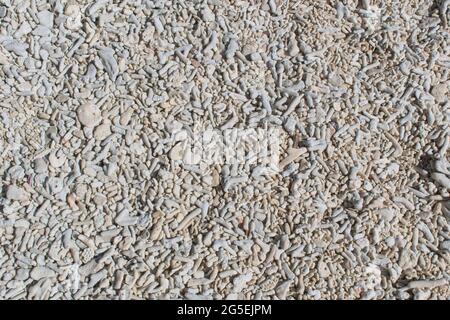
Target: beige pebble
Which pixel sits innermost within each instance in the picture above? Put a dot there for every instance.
(177, 151)
(89, 115)
(126, 117)
(100, 199)
(102, 131)
(440, 92)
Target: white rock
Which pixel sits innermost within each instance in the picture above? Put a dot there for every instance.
(177, 152)
(440, 92)
(45, 18)
(89, 115)
(41, 272)
(102, 131)
(15, 193)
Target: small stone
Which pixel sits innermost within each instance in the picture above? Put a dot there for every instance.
(57, 158)
(323, 270)
(440, 92)
(89, 115)
(22, 274)
(441, 179)
(41, 272)
(16, 193)
(45, 18)
(109, 62)
(215, 181)
(55, 184)
(177, 151)
(283, 289)
(40, 165)
(102, 131)
(3, 11)
(124, 219)
(41, 31)
(100, 199)
(208, 15)
(126, 117)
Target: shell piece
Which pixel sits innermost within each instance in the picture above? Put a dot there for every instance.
(56, 158)
(283, 289)
(177, 152)
(124, 218)
(292, 155)
(109, 62)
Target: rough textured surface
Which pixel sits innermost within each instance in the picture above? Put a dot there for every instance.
(98, 198)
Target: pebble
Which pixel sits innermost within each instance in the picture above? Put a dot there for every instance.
(102, 131)
(440, 92)
(109, 62)
(45, 18)
(3, 11)
(38, 273)
(177, 152)
(89, 115)
(16, 193)
(441, 179)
